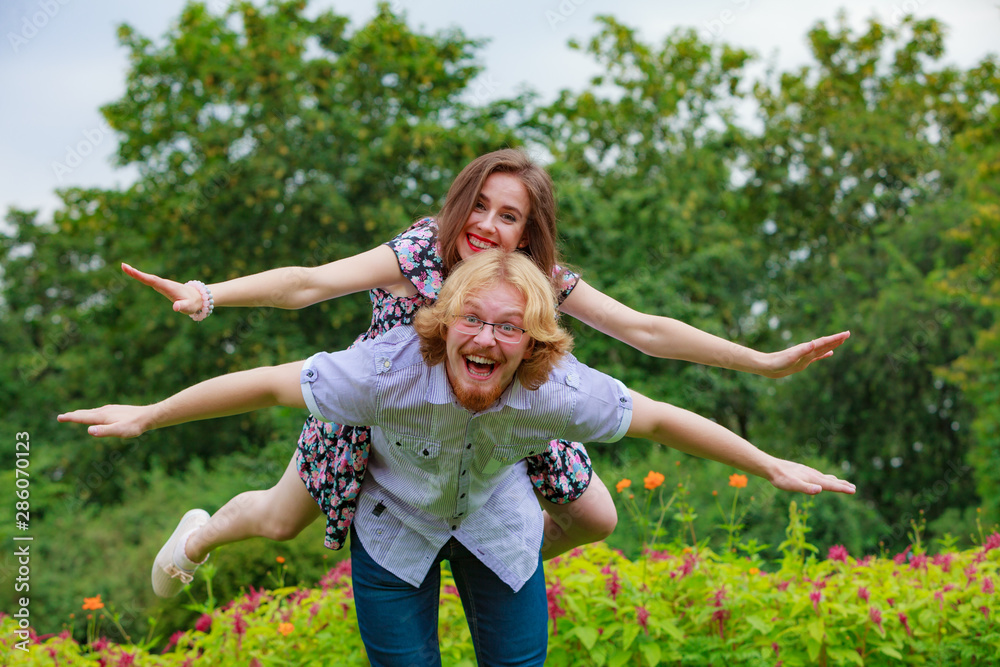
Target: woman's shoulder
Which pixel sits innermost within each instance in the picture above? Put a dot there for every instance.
(419, 258)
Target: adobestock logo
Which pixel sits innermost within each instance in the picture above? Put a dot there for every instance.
(31, 25)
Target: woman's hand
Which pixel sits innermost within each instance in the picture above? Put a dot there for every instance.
(797, 358)
(118, 421)
(186, 298)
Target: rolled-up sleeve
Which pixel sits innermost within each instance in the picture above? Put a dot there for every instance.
(340, 386)
(603, 410)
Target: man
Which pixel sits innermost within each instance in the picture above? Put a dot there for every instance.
(483, 380)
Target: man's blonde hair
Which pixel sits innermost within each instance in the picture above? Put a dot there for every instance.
(485, 270)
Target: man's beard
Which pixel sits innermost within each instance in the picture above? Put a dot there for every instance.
(477, 401)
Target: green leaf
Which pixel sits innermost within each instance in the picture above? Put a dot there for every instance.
(651, 652)
(620, 658)
(629, 633)
(891, 652)
(588, 635)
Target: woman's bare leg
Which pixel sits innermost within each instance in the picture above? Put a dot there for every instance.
(590, 518)
(279, 513)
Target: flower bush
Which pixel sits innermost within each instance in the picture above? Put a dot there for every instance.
(676, 605)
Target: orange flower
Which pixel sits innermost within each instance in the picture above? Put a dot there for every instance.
(285, 628)
(714, 492)
(622, 485)
(739, 481)
(653, 480)
(93, 603)
(280, 559)
(754, 570)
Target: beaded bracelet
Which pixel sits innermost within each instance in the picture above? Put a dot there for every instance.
(207, 301)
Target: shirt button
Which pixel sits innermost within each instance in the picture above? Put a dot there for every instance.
(454, 527)
(461, 496)
(386, 364)
(463, 472)
(469, 446)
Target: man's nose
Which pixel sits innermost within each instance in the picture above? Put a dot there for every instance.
(487, 337)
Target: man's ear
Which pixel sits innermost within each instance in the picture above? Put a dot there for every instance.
(531, 349)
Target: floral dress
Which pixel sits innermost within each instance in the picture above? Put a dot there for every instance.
(332, 458)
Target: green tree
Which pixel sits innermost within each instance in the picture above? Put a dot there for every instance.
(262, 138)
(853, 184)
(977, 282)
(644, 161)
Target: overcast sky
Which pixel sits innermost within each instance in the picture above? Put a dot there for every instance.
(60, 60)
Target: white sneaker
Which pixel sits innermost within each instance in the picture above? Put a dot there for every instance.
(172, 570)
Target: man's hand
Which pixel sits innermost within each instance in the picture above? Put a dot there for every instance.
(797, 358)
(792, 476)
(118, 421)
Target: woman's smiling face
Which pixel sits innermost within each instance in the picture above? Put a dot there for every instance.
(499, 217)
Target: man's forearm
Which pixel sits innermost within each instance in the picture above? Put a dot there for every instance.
(219, 397)
(691, 433)
(233, 394)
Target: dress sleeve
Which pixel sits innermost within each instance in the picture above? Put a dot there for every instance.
(419, 259)
(566, 280)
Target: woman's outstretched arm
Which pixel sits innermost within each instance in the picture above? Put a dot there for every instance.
(290, 287)
(671, 339)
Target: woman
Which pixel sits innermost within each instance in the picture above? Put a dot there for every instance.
(501, 199)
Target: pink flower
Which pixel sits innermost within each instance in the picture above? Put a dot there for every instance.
(863, 593)
(987, 585)
(252, 600)
(174, 638)
(642, 615)
(553, 593)
(239, 625)
(126, 660)
(876, 617)
(837, 552)
(992, 542)
(816, 596)
(204, 624)
(906, 625)
(99, 645)
(899, 559)
(719, 616)
(943, 561)
(613, 586)
(986, 612)
(918, 561)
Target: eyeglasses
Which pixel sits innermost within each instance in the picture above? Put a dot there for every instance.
(505, 332)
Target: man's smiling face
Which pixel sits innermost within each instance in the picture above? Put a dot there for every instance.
(479, 366)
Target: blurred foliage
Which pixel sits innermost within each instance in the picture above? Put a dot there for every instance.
(858, 192)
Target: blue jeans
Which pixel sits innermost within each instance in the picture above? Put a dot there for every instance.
(399, 622)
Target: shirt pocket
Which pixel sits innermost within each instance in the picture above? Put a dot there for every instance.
(417, 451)
(506, 455)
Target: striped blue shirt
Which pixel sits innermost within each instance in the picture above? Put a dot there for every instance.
(439, 471)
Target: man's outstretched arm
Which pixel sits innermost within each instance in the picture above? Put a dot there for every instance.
(688, 432)
(221, 396)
